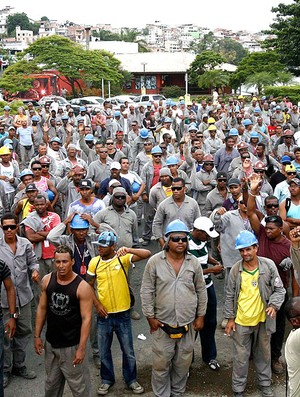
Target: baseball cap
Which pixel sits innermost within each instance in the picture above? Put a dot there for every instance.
(222, 175)
(31, 187)
(114, 182)
(115, 165)
(234, 182)
(85, 183)
(205, 224)
(106, 239)
(295, 180)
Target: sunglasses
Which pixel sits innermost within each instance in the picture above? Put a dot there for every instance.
(199, 136)
(269, 206)
(259, 171)
(176, 239)
(288, 137)
(292, 173)
(11, 227)
(120, 197)
(37, 169)
(174, 188)
(109, 143)
(222, 180)
(103, 152)
(45, 166)
(210, 164)
(156, 155)
(147, 144)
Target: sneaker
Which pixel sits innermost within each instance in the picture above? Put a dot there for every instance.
(224, 323)
(136, 388)
(134, 314)
(96, 361)
(103, 389)
(214, 365)
(6, 379)
(23, 372)
(277, 367)
(266, 391)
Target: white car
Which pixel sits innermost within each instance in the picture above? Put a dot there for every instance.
(50, 98)
(92, 103)
(143, 100)
(118, 100)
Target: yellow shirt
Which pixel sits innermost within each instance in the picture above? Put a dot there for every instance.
(112, 286)
(168, 191)
(251, 309)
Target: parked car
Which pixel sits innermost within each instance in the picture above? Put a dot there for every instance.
(92, 103)
(118, 100)
(50, 98)
(145, 99)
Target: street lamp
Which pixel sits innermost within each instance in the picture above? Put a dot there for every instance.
(143, 86)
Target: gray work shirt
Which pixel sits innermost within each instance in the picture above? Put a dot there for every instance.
(21, 264)
(173, 299)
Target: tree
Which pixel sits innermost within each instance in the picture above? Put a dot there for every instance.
(254, 63)
(231, 50)
(22, 20)
(285, 35)
(213, 78)
(75, 63)
(13, 80)
(206, 60)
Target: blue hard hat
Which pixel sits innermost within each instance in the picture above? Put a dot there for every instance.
(89, 137)
(117, 113)
(82, 109)
(176, 226)
(6, 107)
(149, 104)
(50, 195)
(285, 159)
(55, 139)
(257, 110)
(35, 118)
(106, 239)
(247, 122)
(144, 133)
(233, 132)
(168, 101)
(65, 117)
(156, 150)
(168, 120)
(78, 223)
(192, 127)
(172, 160)
(254, 134)
(25, 172)
(245, 239)
(135, 187)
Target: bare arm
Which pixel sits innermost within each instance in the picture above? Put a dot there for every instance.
(41, 316)
(138, 254)
(85, 297)
(251, 204)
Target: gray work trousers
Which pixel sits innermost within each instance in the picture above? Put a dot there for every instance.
(149, 214)
(15, 348)
(59, 369)
(26, 156)
(245, 340)
(171, 363)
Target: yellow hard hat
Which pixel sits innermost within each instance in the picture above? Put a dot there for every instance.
(211, 120)
(254, 98)
(4, 150)
(212, 128)
(240, 97)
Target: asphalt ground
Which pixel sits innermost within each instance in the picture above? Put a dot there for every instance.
(202, 380)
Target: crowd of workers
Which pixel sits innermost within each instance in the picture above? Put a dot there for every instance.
(216, 184)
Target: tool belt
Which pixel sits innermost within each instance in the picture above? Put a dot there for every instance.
(175, 332)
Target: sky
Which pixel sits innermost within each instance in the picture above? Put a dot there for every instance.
(250, 15)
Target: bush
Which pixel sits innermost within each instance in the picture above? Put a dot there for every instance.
(172, 92)
(293, 92)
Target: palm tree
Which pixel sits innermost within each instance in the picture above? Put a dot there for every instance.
(213, 78)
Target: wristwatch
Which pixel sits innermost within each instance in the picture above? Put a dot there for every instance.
(13, 315)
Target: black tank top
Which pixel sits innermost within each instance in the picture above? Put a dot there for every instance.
(63, 313)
